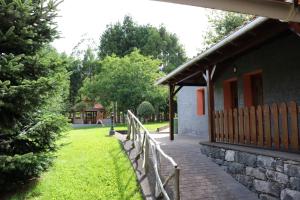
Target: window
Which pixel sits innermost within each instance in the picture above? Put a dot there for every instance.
(230, 91)
(253, 88)
(201, 102)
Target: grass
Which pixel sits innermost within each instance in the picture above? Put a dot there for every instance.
(90, 166)
(152, 126)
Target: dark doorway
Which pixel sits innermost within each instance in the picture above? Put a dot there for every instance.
(230, 94)
(234, 94)
(257, 89)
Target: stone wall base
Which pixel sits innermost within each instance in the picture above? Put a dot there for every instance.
(271, 177)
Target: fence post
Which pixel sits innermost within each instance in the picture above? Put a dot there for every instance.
(146, 155)
(177, 190)
(128, 127)
(133, 133)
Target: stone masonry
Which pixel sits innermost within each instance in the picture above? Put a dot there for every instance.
(272, 178)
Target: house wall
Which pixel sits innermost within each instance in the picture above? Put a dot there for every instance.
(188, 121)
(280, 65)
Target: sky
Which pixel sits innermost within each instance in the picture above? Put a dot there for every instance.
(88, 19)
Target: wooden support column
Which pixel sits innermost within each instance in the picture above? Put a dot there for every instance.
(171, 110)
(211, 104)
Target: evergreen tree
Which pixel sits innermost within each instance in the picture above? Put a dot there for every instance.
(30, 79)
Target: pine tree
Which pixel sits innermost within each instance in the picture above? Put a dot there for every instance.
(28, 81)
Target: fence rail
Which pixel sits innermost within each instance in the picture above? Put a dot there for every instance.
(273, 126)
(146, 144)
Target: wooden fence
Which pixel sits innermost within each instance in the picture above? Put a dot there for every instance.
(146, 145)
(273, 126)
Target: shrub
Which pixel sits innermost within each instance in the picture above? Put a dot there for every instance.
(145, 110)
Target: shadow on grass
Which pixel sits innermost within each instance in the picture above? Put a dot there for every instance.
(119, 170)
(21, 190)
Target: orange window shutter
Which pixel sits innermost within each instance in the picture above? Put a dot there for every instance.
(247, 91)
(200, 102)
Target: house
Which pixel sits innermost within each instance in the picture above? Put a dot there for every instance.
(256, 65)
(88, 114)
(248, 86)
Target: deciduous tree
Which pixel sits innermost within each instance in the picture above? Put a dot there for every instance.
(122, 38)
(126, 80)
(221, 24)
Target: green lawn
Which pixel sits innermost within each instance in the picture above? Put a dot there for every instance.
(152, 127)
(90, 166)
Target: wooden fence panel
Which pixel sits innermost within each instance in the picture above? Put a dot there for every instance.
(267, 126)
(236, 126)
(294, 126)
(246, 125)
(222, 125)
(284, 126)
(241, 126)
(226, 125)
(253, 125)
(275, 118)
(260, 129)
(273, 126)
(230, 126)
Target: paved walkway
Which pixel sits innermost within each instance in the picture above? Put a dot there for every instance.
(201, 178)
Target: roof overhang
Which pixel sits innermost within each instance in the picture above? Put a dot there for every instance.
(249, 36)
(286, 10)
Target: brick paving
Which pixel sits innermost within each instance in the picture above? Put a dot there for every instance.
(200, 178)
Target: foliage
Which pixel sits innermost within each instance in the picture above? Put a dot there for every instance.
(223, 23)
(97, 168)
(127, 81)
(33, 79)
(145, 110)
(81, 69)
(80, 106)
(122, 38)
(57, 102)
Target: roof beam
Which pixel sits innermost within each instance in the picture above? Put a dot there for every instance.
(283, 10)
(188, 77)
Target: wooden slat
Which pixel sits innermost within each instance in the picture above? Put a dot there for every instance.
(230, 126)
(221, 126)
(241, 127)
(236, 126)
(275, 118)
(246, 125)
(294, 126)
(217, 128)
(226, 125)
(253, 134)
(284, 126)
(260, 129)
(267, 126)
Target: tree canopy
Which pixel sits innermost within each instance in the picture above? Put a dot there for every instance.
(126, 80)
(122, 38)
(221, 24)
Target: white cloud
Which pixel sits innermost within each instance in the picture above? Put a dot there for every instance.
(90, 17)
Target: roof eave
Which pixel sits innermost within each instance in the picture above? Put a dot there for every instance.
(218, 45)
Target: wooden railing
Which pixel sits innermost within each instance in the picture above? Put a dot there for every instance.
(275, 126)
(146, 145)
